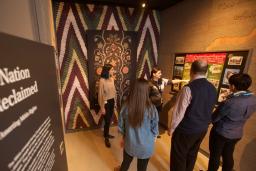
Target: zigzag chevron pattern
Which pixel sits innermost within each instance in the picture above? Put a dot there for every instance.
(71, 22)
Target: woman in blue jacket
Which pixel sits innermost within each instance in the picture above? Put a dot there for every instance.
(138, 123)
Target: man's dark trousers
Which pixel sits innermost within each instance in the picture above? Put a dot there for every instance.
(184, 149)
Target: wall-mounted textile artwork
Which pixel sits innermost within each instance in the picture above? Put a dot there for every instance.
(72, 21)
(117, 48)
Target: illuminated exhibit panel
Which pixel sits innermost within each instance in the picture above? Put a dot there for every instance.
(220, 66)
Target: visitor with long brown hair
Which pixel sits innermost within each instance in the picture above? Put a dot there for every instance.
(138, 123)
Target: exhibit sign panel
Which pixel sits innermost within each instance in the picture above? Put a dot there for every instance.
(31, 134)
(220, 66)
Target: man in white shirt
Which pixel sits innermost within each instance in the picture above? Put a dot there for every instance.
(191, 116)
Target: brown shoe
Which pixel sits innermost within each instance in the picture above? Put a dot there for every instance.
(117, 168)
(109, 136)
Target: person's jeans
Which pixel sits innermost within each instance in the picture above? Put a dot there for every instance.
(109, 107)
(127, 159)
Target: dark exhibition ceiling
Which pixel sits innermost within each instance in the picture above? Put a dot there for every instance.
(151, 4)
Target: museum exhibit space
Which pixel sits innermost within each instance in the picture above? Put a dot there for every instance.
(52, 57)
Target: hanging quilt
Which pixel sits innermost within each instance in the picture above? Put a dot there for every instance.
(117, 48)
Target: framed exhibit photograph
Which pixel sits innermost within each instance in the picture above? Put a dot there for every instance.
(178, 71)
(235, 60)
(214, 74)
(228, 73)
(179, 60)
(224, 92)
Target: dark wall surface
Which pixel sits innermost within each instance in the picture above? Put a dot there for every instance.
(31, 135)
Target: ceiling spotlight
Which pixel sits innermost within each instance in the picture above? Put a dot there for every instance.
(143, 5)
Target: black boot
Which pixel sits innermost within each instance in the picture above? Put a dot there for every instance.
(110, 136)
(107, 143)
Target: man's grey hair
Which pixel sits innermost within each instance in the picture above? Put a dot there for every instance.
(199, 67)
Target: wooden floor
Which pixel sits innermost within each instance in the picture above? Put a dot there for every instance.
(86, 152)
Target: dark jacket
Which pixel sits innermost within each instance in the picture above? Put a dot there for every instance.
(230, 116)
(155, 93)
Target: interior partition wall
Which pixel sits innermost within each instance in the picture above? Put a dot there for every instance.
(72, 21)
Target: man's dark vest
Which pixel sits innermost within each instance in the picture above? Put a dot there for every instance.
(198, 114)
